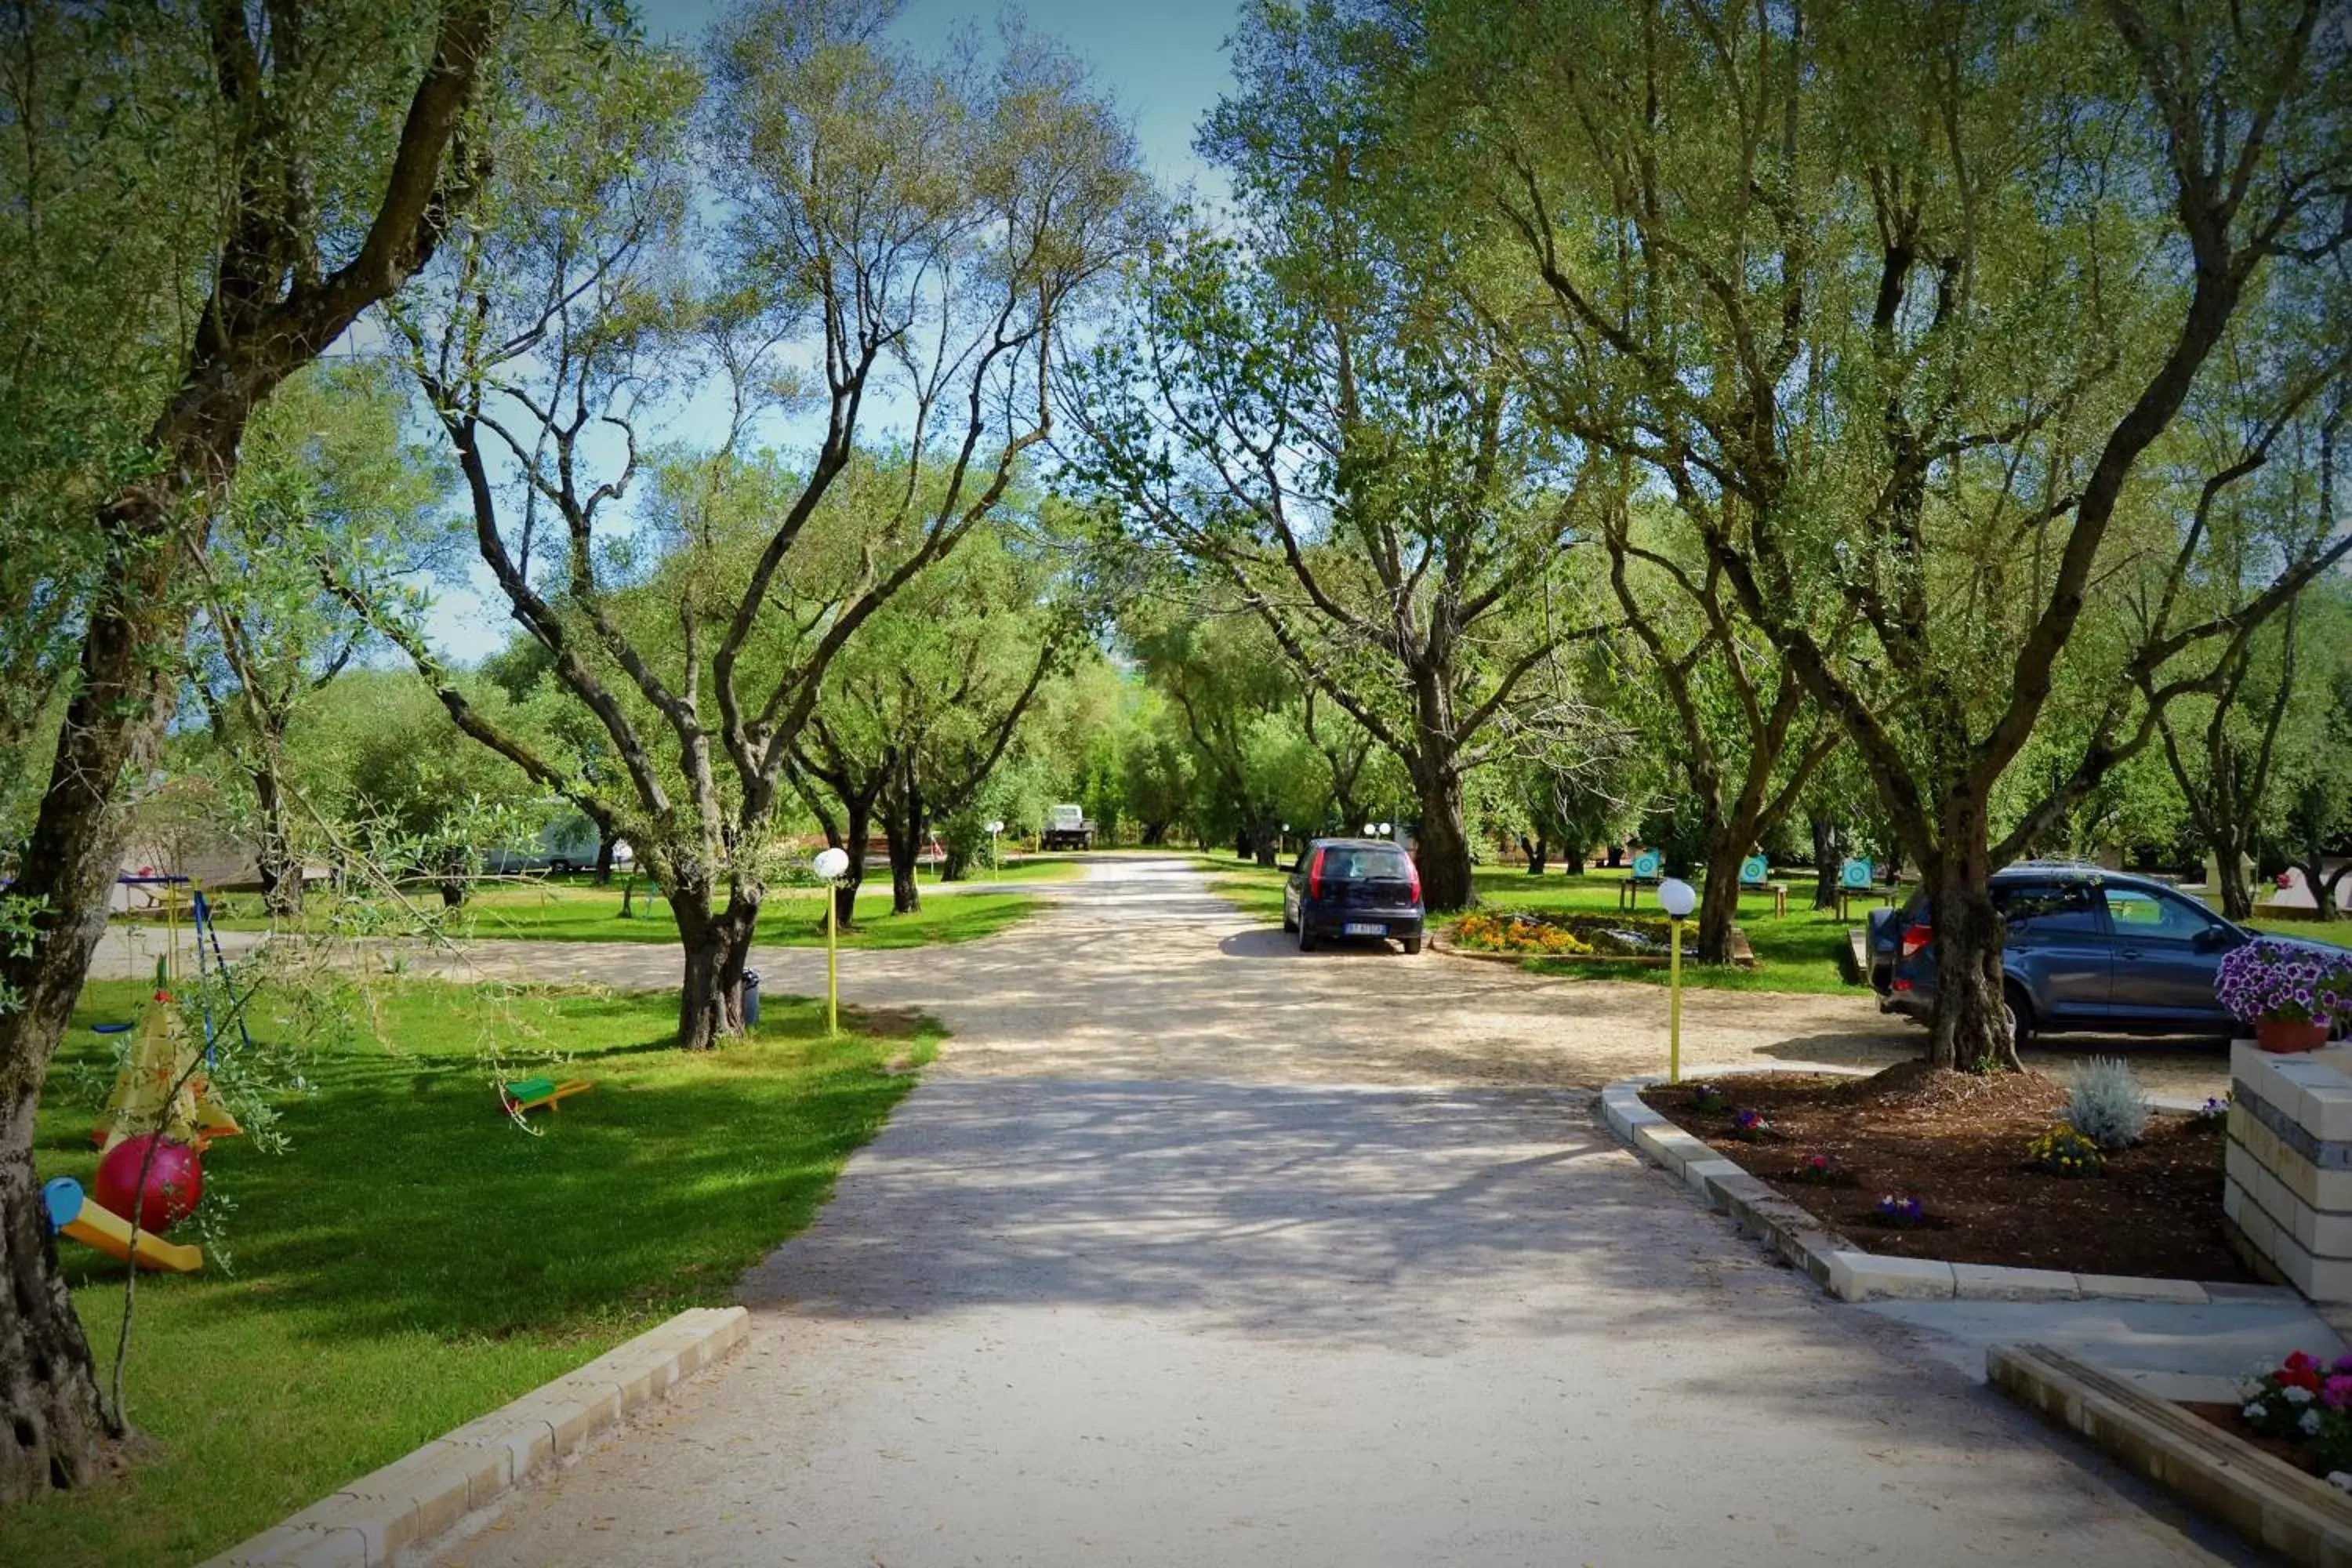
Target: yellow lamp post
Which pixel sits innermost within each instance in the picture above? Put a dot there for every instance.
(830, 865)
(1678, 898)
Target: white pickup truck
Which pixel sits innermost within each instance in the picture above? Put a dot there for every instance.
(1066, 827)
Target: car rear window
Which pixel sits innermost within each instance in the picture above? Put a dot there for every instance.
(1343, 863)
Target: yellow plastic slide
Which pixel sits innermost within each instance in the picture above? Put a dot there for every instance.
(76, 1216)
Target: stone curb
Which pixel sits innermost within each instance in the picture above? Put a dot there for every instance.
(382, 1517)
(2265, 1500)
(1852, 1273)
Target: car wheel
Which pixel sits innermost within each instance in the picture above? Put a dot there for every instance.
(1290, 924)
(1306, 937)
(1411, 945)
(2019, 1010)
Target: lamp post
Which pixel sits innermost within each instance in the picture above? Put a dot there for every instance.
(830, 865)
(1678, 898)
(993, 829)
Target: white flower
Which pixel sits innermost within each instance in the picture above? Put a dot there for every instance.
(2255, 1412)
(2310, 1423)
(2340, 1480)
(2295, 1395)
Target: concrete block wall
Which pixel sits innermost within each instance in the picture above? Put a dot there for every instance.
(2288, 1192)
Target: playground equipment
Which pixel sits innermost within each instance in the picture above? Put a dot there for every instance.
(157, 1178)
(162, 1087)
(159, 1117)
(73, 1214)
(529, 1094)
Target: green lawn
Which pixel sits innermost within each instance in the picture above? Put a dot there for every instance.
(414, 1259)
(582, 911)
(1798, 951)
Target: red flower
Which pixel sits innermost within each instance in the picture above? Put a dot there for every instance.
(2299, 1371)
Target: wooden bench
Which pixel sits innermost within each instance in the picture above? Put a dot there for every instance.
(1755, 877)
(1848, 896)
(1648, 869)
(1629, 891)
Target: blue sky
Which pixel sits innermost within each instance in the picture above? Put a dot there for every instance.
(1164, 64)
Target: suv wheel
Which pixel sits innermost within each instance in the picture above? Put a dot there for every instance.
(1411, 945)
(2019, 1010)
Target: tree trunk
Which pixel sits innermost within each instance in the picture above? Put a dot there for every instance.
(1535, 850)
(902, 830)
(2230, 870)
(1572, 857)
(60, 1435)
(1827, 847)
(1718, 902)
(275, 862)
(1444, 843)
(1155, 834)
(1265, 846)
(605, 839)
(857, 828)
(1970, 1027)
(710, 997)
(452, 879)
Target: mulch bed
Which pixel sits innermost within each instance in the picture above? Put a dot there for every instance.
(1957, 1142)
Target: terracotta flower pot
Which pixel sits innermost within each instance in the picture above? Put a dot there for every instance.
(2285, 1036)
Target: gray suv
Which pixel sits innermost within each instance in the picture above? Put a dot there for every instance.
(2086, 950)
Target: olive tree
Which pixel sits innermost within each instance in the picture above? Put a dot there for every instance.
(901, 233)
(1896, 310)
(286, 167)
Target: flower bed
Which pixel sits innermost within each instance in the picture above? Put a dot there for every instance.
(2300, 1411)
(1567, 935)
(1959, 1145)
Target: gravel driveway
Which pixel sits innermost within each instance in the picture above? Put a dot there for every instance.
(1192, 1250)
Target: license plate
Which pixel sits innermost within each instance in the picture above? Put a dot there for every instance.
(1358, 928)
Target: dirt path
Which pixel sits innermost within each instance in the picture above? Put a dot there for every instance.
(1139, 971)
(1194, 1251)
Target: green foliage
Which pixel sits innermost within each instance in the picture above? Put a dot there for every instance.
(413, 1260)
(2065, 1151)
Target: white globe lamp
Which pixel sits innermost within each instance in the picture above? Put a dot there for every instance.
(1677, 897)
(831, 864)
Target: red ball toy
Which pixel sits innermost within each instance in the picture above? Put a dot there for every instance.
(175, 1181)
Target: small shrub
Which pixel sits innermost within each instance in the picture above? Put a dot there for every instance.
(1709, 1100)
(2215, 1114)
(1750, 1126)
(1904, 1213)
(2107, 1105)
(2064, 1151)
(1820, 1171)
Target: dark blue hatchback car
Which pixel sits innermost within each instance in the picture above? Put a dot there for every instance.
(1354, 887)
(2086, 950)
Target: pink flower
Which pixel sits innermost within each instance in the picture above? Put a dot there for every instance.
(2336, 1393)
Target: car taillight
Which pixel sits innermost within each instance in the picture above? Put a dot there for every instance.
(1315, 875)
(1413, 878)
(1914, 937)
